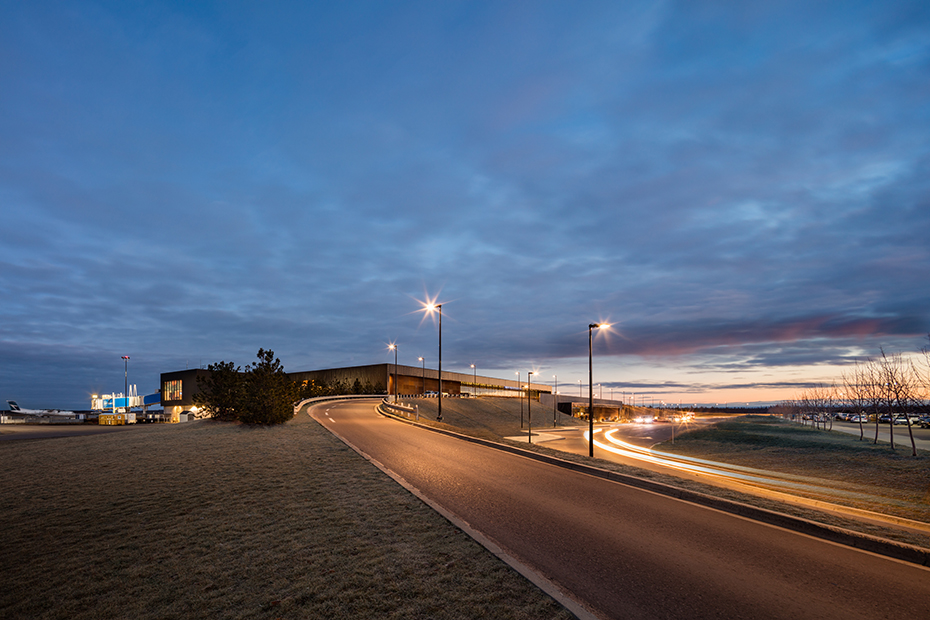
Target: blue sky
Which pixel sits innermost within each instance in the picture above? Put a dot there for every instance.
(742, 189)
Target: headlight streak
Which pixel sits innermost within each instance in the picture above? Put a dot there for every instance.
(719, 470)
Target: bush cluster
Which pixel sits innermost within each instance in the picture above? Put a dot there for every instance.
(260, 394)
(263, 393)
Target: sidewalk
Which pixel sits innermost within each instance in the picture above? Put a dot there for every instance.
(901, 436)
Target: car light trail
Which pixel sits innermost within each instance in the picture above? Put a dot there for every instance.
(723, 471)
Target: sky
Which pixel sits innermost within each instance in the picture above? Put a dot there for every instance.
(741, 189)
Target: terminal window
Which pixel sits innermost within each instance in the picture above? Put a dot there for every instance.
(172, 390)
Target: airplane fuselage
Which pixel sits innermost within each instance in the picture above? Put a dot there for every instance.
(14, 408)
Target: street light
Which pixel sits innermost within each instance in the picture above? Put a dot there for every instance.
(555, 402)
(475, 389)
(529, 414)
(393, 347)
(591, 327)
(430, 307)
(126, 378)
(422, 376)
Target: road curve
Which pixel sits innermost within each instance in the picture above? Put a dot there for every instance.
(627, 553)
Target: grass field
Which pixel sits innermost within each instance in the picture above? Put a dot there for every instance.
(898, 482)
(215, 520)
(489, 418)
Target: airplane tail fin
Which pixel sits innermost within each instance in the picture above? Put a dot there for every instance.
(13, 405)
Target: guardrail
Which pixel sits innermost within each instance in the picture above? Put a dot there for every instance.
(320, 399)
(406, 410)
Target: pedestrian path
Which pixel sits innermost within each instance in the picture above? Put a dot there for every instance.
(900, 435)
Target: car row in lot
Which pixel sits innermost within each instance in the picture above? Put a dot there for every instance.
(900, 419)
(921, 420)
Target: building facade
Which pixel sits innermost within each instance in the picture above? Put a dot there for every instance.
(179, 388)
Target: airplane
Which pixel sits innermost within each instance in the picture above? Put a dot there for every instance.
(14, 408)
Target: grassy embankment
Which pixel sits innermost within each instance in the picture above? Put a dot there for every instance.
(218, 520)
(488, 418)
(215, 520)
(895, 483)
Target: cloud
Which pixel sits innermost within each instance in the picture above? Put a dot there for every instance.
(744, 187)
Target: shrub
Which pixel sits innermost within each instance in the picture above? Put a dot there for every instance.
(262, 394)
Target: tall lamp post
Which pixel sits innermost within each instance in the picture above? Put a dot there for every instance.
(591, 327)
(529, 414)
(422, 376)
(126, 378)
(430, 307)
(475, 389)
(393, 347)
(555, 402)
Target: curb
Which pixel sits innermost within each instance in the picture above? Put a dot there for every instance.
(864, 542)
(537, 579)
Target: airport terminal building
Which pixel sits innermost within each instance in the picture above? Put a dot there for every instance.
(178, 388)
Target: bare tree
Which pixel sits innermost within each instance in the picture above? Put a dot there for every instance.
(858, 391)
(818, 401)
(871, 383)
(922, 372)
(806, 408)
(898, 389)
(787, 409)
(831, 401)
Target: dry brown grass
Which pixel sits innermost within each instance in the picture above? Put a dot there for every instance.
(855, 473)
(222, 521)
(488, 417)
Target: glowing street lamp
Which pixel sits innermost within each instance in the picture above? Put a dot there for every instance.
(393, 347)
(591, 327)
(475, 389)
(555, 401)
(422, 376)
(529, 414)
(433, 307)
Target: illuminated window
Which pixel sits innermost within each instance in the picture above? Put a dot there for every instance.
(172, 390)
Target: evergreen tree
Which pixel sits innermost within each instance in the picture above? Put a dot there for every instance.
(269, 394)
(221, 391)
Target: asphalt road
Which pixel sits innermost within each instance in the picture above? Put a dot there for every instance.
(627, 553)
